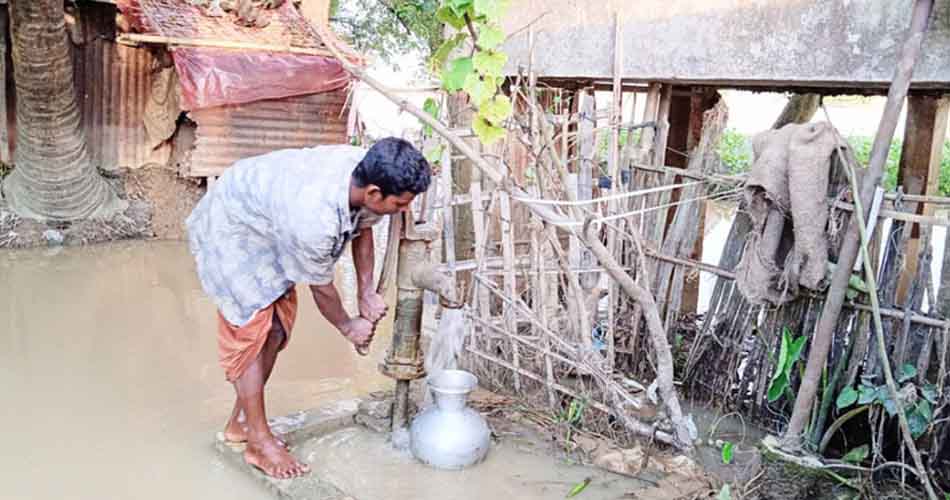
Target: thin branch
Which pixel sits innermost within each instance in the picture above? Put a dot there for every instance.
(392, 10)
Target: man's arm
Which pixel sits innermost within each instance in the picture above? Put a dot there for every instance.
(371, 304)
(358, 330)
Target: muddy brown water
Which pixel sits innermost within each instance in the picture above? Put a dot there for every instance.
(109, 381)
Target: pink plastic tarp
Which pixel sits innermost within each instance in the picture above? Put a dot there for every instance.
(216, 77)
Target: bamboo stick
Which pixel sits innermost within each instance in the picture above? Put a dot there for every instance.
(616, 185)
(448, 215)
(508, 254)
(818, 353)
(139, 38)
(538, 288)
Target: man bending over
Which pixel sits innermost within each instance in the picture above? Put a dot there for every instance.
(282, 219)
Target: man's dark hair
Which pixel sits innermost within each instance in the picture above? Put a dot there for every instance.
(395, 166)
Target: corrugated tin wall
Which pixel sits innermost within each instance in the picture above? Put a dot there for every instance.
(112, 84)
(228, 133)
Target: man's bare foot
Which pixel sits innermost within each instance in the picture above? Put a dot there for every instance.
(273, 459)
(236, 433)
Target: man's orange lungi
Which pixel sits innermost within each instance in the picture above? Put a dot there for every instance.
(239, 346)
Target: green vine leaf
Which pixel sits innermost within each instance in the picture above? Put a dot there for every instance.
(795, 350)
(478, 89)
(442, 54)
(777, 387)
(908, 371)
(460, 8)
(578, 488)
(454, 77)
(728, 449)
(782, 357)
(846, 398)
(431, 107)
(434, 155)
(917, 423)
(491, 9)
(496, 109)
(866, 394)
(725, 493)
(490, 63)
(447, 15)
(490, 37)
(487, 132)
(929, 392)
(924, 409)
(857, 455)
(889, 405)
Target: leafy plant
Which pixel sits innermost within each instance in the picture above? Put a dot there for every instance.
(857, 455)
(846, 398)
(480, 73)
(789, 354)
(735, 151)
(571, 416)
(917, 401)
(433, 153)
(579, 487)
(725, 493)
(727, 452)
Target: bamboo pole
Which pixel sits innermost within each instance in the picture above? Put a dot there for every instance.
(616, 183)
(448, 214)
(139, 38)
(661, 346)
(539, 285)
(821, 343)
(508, 255)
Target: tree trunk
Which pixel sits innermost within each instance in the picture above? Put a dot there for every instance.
(800, 108)
(53, 178)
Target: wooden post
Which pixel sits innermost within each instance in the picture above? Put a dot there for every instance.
(580, 257)
(616, 184)
(508, 257)
(656, 222)
(481, 298)
(448, 215)
(4, 130)
(924, 135)
(539, 287)
(700, 102)
(460, 116)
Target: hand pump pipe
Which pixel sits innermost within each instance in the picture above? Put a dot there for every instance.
(415, 273)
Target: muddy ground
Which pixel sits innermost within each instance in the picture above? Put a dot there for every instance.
(159, 202)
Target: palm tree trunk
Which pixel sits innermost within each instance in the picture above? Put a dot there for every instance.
(53, 178)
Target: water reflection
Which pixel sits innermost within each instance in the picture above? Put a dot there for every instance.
(112, 389)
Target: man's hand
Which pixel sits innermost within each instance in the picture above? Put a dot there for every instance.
(359, 331)
(372, 307)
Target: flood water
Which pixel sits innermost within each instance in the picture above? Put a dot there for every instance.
(109, 377)
(355, 459)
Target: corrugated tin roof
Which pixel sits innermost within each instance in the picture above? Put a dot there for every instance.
(229, 133)
(113, 84)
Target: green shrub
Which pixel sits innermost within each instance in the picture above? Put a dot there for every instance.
(735, 151)
(862, 152)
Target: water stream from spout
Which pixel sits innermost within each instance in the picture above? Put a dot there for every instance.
(446, 345)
